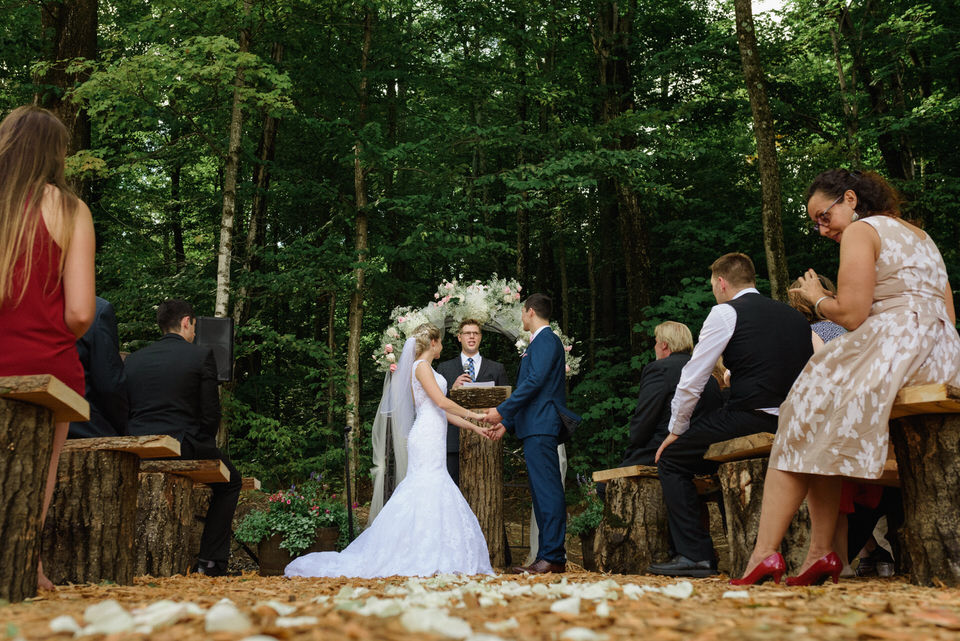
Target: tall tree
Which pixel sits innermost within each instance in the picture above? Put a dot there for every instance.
(765, 135)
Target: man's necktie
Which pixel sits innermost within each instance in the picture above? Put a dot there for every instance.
(470, 370)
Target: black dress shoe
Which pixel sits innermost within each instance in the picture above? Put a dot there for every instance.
(541, 566)
(212, 568)
(682, 566)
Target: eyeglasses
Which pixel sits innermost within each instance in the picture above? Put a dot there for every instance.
(469, 333)
(823, 218)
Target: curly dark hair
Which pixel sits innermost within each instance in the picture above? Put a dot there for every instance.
(874, 194)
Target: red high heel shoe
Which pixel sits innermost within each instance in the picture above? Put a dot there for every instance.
(827, 566)
(772, 566)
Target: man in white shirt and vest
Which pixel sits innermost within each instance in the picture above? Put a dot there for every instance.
(764, 344)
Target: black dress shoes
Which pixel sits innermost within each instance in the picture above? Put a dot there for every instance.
(212, 568)
(540, 567)
(682, 566)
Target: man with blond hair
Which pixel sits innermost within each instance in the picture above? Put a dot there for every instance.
(673, 344)
(764, 344)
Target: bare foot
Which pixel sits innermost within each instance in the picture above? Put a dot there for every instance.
(42, 581)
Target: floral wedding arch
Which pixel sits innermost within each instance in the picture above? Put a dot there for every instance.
(496, 305)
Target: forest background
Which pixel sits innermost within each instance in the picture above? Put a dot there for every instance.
(307, 165)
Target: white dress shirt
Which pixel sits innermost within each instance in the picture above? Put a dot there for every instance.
(476, 363)
(716, 333)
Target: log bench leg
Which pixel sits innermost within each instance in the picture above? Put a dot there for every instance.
(167, 539)
(926, 448)
(633, 533)
(26, 442)
(742, 483)
(89, 533)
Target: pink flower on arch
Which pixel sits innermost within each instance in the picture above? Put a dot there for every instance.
(388, 348)
(437, 295)
(506, 290)
(568, 369)
(567, 348)
(393, 367)
(401, 319)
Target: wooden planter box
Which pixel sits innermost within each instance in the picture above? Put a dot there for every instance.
(273, 558)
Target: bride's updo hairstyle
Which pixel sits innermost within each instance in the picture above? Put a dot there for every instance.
(874, 194)
(423, 335)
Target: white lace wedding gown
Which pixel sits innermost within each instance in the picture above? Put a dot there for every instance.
(425, 528)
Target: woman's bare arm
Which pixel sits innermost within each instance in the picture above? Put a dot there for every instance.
(79, 282)
(948, 299)
(425, 376)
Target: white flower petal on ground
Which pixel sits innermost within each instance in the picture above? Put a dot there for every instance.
(502, 626)
(323, 598)
(225, 617)
(603, 609)
(679, 590)
(484, 637)
(160, 614)
(193, 609)
(567, 606)
(381, 607)
(107, 617)
(259, 637)
(736, 594)
(282, 609)
(582, 634)
(436, 622)
(632, 591)
(296, 622)
(65, 623)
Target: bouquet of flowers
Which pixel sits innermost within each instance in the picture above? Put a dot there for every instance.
(296, 514)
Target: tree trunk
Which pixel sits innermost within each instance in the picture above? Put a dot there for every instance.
(258, 207)
(355, 320)
(633, 533)
(89, 533)
(168, 530)
(176, 222)
(481, 472)
(332, 347)
(592, 333)
(926, 448)
(848, 98)
(771, 208)
(742, 485)
(72, 25)
(228, 213)
(26, 442)
(636, 257)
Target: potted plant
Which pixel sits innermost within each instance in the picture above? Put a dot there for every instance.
(585, 526)
(296, 521)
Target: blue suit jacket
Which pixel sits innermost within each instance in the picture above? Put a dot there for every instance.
(533, 408)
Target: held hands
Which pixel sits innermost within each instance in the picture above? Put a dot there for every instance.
(492, 416)
(666, 442)
(463, 378)
(810, 287)
(496, 432)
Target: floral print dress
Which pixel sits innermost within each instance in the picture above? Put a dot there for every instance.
(835, 419)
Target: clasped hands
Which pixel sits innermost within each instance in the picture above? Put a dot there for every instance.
(496, 430)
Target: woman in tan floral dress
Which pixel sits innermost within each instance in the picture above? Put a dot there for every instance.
(894, 297)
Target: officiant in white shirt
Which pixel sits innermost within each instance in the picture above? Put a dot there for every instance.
(467, 367)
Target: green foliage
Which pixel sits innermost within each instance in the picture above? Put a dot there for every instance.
(588, 519)
(296, 514)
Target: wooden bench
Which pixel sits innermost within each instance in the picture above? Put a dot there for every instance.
(172, 504)
(925, 434)
(633, 533)
(250, 483)
(29, 408)
(90, 532)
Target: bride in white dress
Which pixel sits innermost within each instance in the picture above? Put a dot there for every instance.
(426, 527)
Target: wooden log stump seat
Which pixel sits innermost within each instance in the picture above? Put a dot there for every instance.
(90, 529)
(634, 533)
(168, 511)
(926, 438)
(29, 408)
(249, 483)
(481, 470)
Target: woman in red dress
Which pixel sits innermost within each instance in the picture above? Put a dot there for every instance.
(46, 262)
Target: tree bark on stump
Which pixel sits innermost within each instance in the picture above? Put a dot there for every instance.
(926, 448)
(89, 533)
(26, 441)
(742, 483)
(481, 471)
(633, 533)
(167, 539)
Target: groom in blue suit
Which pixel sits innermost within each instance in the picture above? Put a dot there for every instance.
(532, 413)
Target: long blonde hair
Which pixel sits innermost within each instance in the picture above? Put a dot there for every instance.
(33, 146)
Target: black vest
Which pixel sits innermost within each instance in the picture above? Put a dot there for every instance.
(769, 347)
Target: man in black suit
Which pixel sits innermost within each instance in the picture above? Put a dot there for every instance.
(106, 382)
(658, 381)
(469, 366)
(173, 390)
